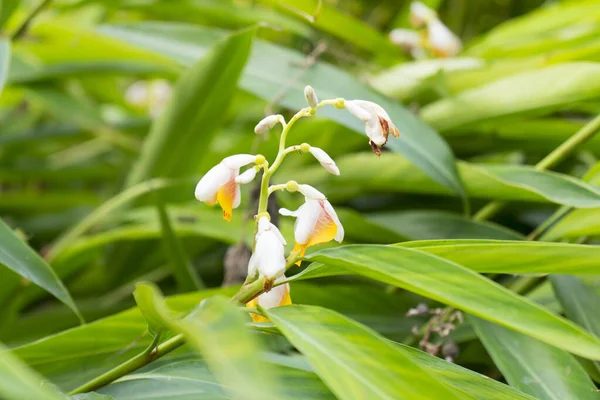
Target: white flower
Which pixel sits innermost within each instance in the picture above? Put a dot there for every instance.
(268, 257)
(378, 123)
(420, 14)
(247, 176)
(443, 42)
(267, 123)
(326, 161)
(278, 296)
(311, 96)
(316, 220)
(151, 95)
(219, 184)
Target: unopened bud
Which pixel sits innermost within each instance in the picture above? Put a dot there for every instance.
(260, 159)
(267, 123)
(305, 147)
(291, 186)
(247, 176)
(326, 161)
(311, 96)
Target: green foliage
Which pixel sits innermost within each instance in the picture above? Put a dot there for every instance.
(111, 112)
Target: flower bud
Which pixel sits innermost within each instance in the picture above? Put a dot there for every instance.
(267, 123)
(247, 176)
(291, 186)
(311, 96)
(326, 161)
(260, 159)
(305, 147)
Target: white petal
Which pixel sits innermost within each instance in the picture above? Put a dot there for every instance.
(374, 132)
(311, 96)
(275, 230)
(442, 39)
(266, 227)
(252, 265)
(373, 107)
(339, 235)
(354, 107)
(269, 253)
(206, 189)
(288, 213)
(406, 38)
(311, 192)
(238, 161)
(308, 215)
(238, 197)
(326, 161)
(247, 176)
(263, 224)
(274, 297)
(267, 123)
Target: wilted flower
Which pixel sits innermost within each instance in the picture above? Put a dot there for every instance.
(220, 184)
(268, 258)
(278, 296)
(316, 220)
(378, 123)
(326, 161)
(267, 123)
(311, 96)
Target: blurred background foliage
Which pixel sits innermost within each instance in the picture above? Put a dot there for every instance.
(112, 110)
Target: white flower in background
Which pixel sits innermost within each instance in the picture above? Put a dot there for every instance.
(311, 96)
(316, 220)
(150, 95)
(278, 296)
(323, 158)
(268, 258)
(442, 41)
(268, 122)
(220, 184)
(409, 40)
(378, 123)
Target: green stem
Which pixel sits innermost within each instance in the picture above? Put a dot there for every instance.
(551, 160)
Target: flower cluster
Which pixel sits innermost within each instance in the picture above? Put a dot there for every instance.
(316, 220)
(431, 36)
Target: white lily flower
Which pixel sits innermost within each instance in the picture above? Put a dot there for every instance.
(378, 123)
(276, 297)
(268, 257)
(219, 184)
(326, 161)
(420, 14)
(311, 96)
(316, 220)
(443, 42)
(267, 123)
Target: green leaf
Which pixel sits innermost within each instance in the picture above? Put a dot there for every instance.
(16, 255)
(217, 330)
(191, 378)
(534, 367)
(273, 70)
(75, 356)
(7, 7)
(514, 257)
(447, 282)
(539, 91)
(579, 301)
(433, 224)
(357, 363)
(183, 271)
(198, 105)
(4, 59)
(17, 382)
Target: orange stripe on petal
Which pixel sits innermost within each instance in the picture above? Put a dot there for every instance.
(301, 250)
(225, 197)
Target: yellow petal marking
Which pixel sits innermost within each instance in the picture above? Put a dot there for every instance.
(285, 301)
(225, 197)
